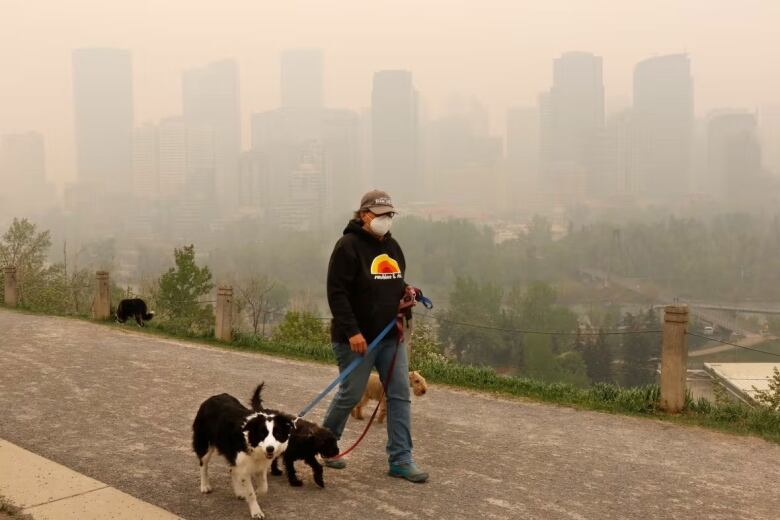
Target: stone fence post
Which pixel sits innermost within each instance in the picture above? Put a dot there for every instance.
(101, 308)
(674, 358)
(223, 329)
(11, 293)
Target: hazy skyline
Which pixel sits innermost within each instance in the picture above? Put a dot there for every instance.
(501, 52)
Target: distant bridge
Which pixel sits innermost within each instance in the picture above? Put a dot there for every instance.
(722, 314)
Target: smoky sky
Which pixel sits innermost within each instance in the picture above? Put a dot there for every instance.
(498, 51)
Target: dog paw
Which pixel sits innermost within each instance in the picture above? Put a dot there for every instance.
(319, 482)
(256, 512)
(296, 483)
(205, 488)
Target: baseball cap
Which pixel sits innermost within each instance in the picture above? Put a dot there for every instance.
(378, 202)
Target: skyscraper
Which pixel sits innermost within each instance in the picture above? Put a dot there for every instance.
(733, 152)
(395, 136)
(210, 97)
(523, 148)
(301, 79)
(23, 175)
(103, 99)
(769, 126)
(172, 157)
(341, 159)
(663, 125)
(573, 124)
(146, 179)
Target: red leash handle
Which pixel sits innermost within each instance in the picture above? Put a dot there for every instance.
(373, 415)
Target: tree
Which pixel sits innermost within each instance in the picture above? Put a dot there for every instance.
(182, 287)
(641, 351)
(302, 327)
(25, 248)
(472, 302)
(597, 355)
(262, 299)
(423, 346)
(771, 396)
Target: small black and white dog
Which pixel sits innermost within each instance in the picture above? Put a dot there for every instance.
(133, 308)
(307, 441)
(248, 440)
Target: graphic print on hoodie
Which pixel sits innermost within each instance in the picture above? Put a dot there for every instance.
(365, 283)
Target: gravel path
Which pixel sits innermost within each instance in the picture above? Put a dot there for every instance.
(117, 406)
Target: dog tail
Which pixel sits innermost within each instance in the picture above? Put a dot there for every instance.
(149, 315)
(257, 401)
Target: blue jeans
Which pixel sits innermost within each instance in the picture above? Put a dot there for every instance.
(399, 422)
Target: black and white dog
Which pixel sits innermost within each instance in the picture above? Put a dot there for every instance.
(133, 308)
(306, 442)
(249, 441)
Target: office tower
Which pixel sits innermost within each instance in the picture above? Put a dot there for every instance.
(617, 154)
(210, 97)
(172, 157)
(663, 125)
(342, 160)
(103, 102)
(301, 79)
(573, 123)
(24, 191)
(769, 128)
(462, 159)
(523, 148)
(734, 153)
(306, 207)
(395, 136)
(146, 180)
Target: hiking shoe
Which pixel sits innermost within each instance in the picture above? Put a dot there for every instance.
(408, 471)
(334, 463)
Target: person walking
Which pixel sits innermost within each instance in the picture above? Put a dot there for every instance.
(365, 285)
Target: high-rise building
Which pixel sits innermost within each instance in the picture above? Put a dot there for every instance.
(280, 137)
(523, 148)
(103, 99)
(23, 175)
(663, 125)
(462, 159)
(573, 122)
(734, 153)
(172, 157)
(301, 79)
(210, 97)
(769, 128)
(395, 135)
(617, 154)
(342, 159)
(146, 179)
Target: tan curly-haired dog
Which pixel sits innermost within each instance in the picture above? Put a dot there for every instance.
(374, 393)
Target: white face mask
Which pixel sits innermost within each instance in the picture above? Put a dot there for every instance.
(381, 225)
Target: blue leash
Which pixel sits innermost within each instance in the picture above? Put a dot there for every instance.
(355, 362)
(352, 366)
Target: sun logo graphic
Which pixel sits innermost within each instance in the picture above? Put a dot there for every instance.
(385, 268)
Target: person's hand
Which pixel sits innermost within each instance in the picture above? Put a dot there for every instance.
(358, 344)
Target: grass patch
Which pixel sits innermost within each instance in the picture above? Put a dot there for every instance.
(636, 401)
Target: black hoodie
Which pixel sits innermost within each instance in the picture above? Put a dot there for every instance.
(365, 283)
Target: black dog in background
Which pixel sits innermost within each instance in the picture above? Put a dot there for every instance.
(306, 442)
(133, 308)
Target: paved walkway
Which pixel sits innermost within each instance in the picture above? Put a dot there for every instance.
(45, 490)
(117, 406)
